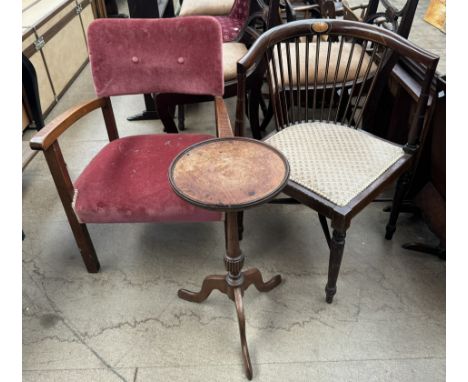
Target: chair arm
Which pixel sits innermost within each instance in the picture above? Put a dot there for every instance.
(45, 137)
(223, 123)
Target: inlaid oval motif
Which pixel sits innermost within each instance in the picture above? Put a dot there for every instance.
(320, 27)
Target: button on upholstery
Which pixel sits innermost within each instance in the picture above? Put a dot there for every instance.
(135, 59)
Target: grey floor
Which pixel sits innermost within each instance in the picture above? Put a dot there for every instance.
(387, 322)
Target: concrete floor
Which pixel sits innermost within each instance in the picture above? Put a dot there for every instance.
(387, 322)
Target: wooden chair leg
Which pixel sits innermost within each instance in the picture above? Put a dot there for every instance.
(166, 113)
(181, 117)
(85, 245)
(254, 105)
(400, 192)
(64, 185)
(325, 229)
(267, 117)
(336, 254)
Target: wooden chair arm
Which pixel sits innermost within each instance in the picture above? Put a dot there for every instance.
(44, 138)
(223, 123)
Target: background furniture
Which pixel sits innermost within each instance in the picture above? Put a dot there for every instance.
(221, 175)
(126, 182)
(206, 7)
(435, 14)
(428, 191)
(378, 12)
(53, 30)
(148, 9)
(261, 18)
(320, 99)
(32, 104)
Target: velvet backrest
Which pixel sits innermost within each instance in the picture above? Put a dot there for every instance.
(176, 55)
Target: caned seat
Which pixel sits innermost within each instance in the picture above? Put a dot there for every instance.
(127, 182)
(346, 62)
(232, 53)
(334, 161)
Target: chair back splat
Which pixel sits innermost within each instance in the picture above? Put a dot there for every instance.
(135, 56)
(327, 71)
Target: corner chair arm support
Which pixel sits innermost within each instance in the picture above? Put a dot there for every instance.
(44, 138)
(223, 123)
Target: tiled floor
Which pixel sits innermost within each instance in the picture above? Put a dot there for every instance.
(387, 322)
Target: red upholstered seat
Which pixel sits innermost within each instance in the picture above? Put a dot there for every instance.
(127, 181)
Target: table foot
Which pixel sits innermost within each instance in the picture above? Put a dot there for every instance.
(209, 284)
(145, 115)
(254, 276)
(241, 319)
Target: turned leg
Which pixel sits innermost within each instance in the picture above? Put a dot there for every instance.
(401, 189)
(336, 254)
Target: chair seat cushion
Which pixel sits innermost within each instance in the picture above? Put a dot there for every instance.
(357, 68)
(206, 7)
(334, 161)
(230, 26)
(232, 53)
(127, 181)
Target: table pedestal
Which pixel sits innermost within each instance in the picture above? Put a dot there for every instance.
(234, 283)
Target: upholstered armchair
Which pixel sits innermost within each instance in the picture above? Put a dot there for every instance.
(127, 181)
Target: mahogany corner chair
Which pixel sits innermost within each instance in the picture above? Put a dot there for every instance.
(127, 181)
(261, 17)
(337, 169)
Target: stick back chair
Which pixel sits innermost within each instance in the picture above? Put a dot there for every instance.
(127, 181)
(336, 168)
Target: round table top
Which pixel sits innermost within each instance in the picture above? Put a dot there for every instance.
(229, 173)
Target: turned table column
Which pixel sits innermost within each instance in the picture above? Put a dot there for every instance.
(230, 174)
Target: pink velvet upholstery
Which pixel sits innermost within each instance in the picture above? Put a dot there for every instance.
(234, 22)
(128, 181)
(175, 55)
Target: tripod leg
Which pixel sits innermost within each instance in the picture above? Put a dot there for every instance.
(241, 318)
(209, 284)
